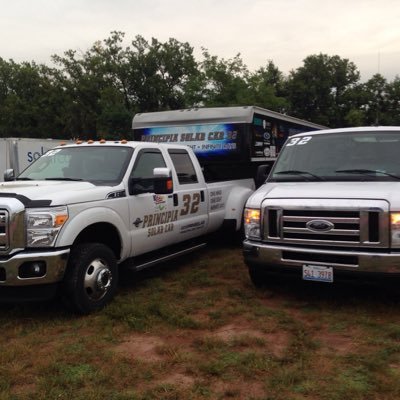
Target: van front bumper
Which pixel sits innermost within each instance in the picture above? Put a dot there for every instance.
(264, 255)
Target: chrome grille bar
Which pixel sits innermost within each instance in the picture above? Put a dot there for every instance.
(361, 223)
(3, 229)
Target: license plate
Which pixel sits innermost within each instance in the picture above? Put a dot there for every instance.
(317, 273)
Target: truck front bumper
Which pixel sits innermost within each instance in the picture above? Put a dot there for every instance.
(265, 255)
(33, 268)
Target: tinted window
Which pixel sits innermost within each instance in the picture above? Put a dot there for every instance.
(144, 166)
(183, 166)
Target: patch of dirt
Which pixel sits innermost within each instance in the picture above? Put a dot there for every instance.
(198, 292)
(23, 389)
(144, 347)
(240, 391)
(276, 342)
(336, 342)
(234, 330)
(177, 379)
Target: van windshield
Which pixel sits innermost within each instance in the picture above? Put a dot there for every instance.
(96, 164)
(355, 156)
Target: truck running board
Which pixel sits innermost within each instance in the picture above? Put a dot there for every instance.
(137, 265)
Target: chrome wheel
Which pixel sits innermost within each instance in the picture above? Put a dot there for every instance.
(98, 279)
(91, 279)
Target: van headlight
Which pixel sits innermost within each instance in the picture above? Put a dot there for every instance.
(252, 223)
(43, 225)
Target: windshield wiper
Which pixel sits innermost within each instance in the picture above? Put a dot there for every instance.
(366, 172)
(298, 172)
(24, 179)
(62, 179)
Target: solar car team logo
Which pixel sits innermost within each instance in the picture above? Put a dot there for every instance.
(159, 202)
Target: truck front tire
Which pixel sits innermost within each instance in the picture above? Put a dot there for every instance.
(91, 279)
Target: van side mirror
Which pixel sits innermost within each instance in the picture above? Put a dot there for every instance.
(163, 183)
(262, 174)
(9, 175)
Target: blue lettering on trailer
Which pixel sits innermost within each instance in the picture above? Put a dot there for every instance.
(34, 155)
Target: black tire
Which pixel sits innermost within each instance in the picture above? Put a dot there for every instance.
(257, 276)
(91, 279)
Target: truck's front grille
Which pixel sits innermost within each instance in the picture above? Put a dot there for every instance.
(3, 230)
(354, 224)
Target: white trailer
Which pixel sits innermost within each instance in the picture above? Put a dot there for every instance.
(18, 153)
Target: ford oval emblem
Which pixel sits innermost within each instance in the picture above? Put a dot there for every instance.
(320, 225)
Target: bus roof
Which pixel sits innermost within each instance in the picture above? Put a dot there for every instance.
(243, 114)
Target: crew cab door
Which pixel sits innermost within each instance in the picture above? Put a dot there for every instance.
(190, 194)
(152, 216)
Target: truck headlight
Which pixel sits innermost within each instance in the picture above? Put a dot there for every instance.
(252, 223)
(43, 225)
(395, 228)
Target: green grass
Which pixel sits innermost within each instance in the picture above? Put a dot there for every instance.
(197, 329)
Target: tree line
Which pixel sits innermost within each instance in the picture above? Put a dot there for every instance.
(96, 93)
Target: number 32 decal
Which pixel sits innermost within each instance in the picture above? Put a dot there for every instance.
(190, 203)
(299, 141)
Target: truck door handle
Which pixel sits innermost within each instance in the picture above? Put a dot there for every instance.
(202, 195)
(175, 197)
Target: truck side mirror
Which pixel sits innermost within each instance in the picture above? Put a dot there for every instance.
(9, 175)
(160, 183)
(262, 174)
(163, 183)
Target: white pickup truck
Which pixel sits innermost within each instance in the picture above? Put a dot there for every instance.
(331, 205)
(82, 210)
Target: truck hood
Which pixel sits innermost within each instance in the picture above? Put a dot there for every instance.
(388, 191)
(57, 192)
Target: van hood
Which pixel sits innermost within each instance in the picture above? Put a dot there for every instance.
(388, 191)
(56, 193)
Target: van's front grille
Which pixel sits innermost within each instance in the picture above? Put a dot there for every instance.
(345, 225)
(356, 224)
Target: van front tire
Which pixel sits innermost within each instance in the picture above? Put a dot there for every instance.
(257, 276)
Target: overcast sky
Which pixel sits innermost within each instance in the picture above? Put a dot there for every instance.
(366, 32)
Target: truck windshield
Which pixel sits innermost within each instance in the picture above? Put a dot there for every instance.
(355, 156)
(96, 164)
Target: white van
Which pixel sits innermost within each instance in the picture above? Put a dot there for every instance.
(331, 204)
